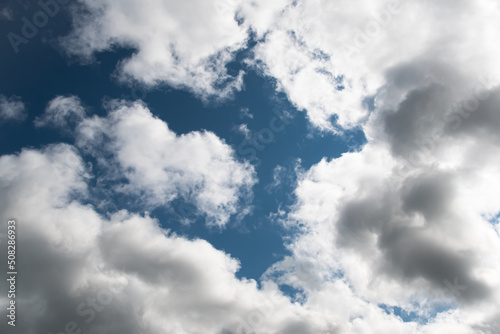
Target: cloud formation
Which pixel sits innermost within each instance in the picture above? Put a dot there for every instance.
(159, 166)
(409, 222)
(330, 58)
(12, 109)
(185, 45)
(406, 221)
(122, 273)
(62, 112)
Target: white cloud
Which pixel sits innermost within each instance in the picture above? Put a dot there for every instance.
(62, 112)
(245, 112)
(244, 130)
(161, 166)
(282, 176)
(183, 44)
(12, 109)
(311, 82)
(314, 47)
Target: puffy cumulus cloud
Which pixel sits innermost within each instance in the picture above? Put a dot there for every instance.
(410, 220)
(158, 165)
(420, 240)
(332, 57)
(12, 109)
(82, 272)
(186, 45)
(62, 112)
(310, 80)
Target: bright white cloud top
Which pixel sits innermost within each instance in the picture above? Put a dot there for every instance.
(409, 222)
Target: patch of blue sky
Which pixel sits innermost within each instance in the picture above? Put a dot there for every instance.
(495, 220)
(422, 316)
(492, 218)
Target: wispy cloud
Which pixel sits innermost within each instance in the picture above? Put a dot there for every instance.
(12, 109)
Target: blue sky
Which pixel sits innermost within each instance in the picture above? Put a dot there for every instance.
(234, 167)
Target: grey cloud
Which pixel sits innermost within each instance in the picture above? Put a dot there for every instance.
(416, 118)
(491, 326)
(299, 327)
(411, 254)
(387, 222)
(361, 218)
(429, 194)
(477, 116)
(438, 106)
